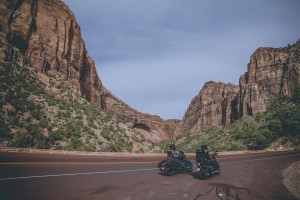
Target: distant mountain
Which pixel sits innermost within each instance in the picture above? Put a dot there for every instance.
(271, 72)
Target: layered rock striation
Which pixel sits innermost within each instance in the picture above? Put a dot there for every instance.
(271, 72)
(216, 104)
(44, 34)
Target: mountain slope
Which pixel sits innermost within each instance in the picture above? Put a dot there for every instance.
(46, 36)
(39, 110)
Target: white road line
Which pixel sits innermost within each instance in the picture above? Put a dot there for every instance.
(136, 170)
(87, 173)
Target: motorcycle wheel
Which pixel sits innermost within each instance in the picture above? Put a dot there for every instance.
(204, 174)
(189, 167)
(168, 171)
(160, 164)
(217, 169)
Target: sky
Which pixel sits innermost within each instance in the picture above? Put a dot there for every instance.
(156, 55)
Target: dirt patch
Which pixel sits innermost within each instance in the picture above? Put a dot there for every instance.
(291, 179)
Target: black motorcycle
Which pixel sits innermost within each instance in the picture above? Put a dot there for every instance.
(207, 168)
(177, 165)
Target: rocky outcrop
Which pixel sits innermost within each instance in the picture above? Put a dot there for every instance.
(216, 104)
(45, 35)
(151, 126)
(271, 72)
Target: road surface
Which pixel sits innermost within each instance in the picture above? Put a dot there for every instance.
(54, 177)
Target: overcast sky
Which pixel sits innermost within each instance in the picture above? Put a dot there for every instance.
(156, 55)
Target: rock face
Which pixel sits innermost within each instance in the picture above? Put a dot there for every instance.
(216, 104)
(44, 34)
(271, 72)
(152, 127)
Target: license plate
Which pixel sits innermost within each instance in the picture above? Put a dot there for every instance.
(198, 169)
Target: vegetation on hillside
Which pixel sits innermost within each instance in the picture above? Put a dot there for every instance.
(38, 115)
(282, 120)
(33, 114)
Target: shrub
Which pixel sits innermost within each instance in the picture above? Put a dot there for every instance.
(4, 130)
(55, 136)
(37, 114)
(44, 123)
(52, 103)
(75, 144)
(22, 140)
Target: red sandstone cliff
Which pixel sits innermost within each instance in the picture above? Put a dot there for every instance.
(151, 126)
(44, 34)
(271, 72)
(214, 105)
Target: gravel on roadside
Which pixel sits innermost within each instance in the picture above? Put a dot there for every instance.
(291, 179)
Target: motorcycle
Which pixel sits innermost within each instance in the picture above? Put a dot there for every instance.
(177, 165)
(206, 168)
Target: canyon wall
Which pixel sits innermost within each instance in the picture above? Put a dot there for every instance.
(216, 104)
(271, 72)
(151, 126)
(44, 34)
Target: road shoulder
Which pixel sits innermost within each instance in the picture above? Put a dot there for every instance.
(291, 179)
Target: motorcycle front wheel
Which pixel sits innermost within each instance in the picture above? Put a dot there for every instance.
(161, 164)
(168, 171)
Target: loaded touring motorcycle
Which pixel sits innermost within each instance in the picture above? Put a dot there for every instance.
(173, 165)
(207, 168)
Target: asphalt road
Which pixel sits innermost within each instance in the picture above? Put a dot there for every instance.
(54, 177)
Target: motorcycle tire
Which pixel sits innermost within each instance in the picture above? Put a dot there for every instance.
(159, 165)
(168, 171)
(217, 169)
(204, 172)
(190, 167)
